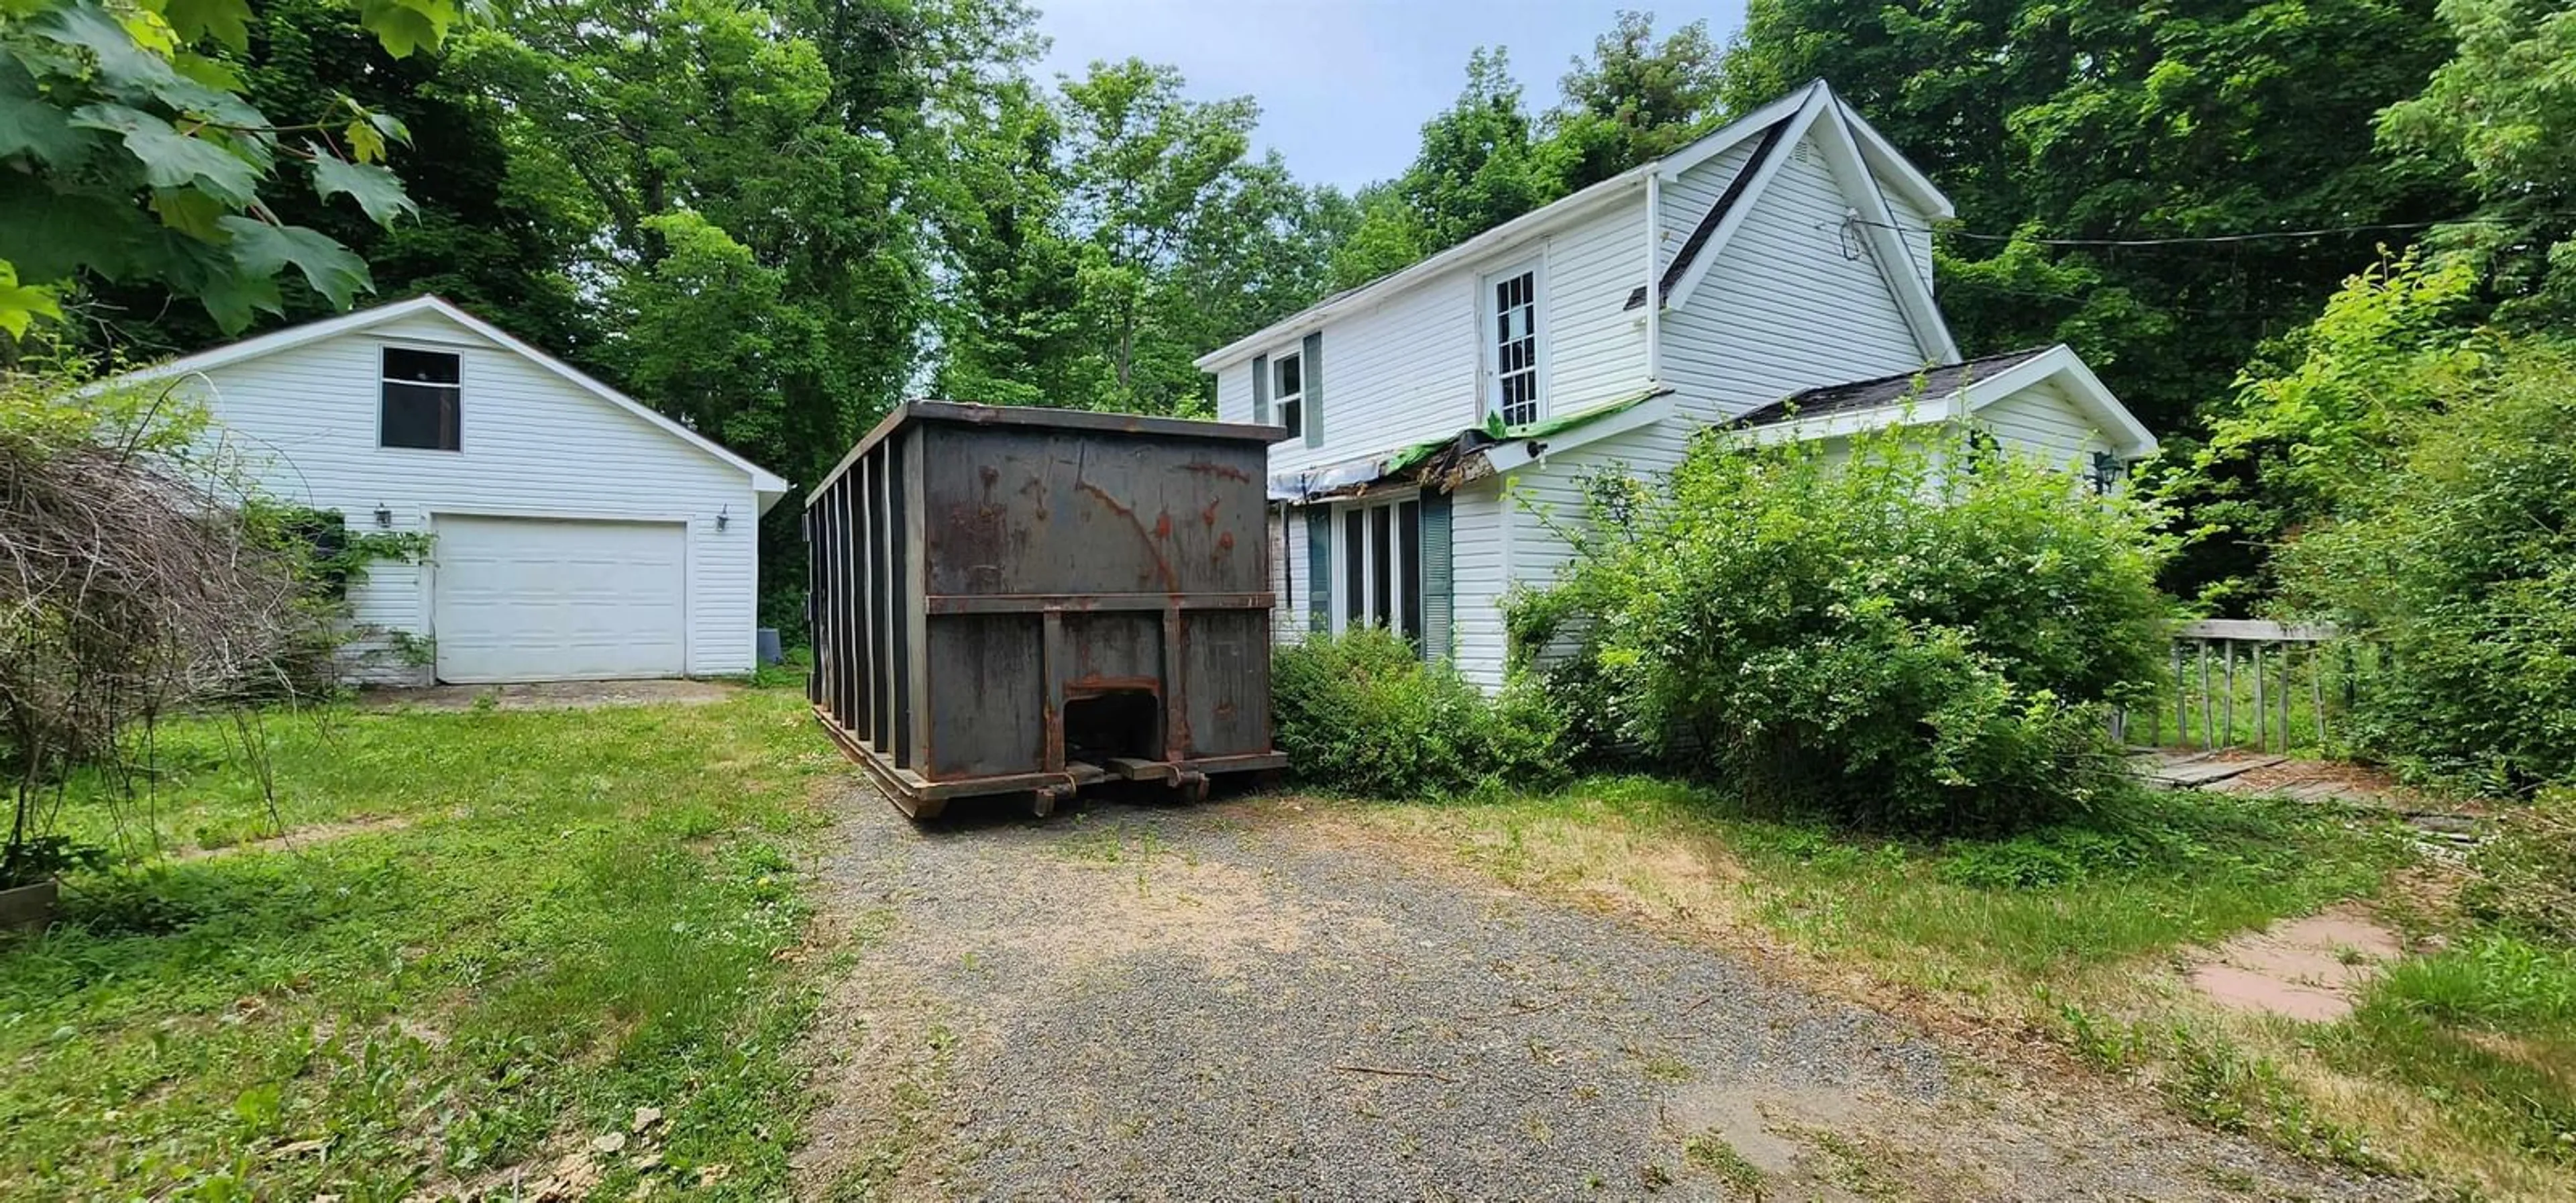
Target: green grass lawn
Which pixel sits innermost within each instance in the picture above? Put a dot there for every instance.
(525, 926)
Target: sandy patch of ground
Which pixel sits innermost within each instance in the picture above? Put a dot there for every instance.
(549, 695)
(302, 837)
(2307, 969)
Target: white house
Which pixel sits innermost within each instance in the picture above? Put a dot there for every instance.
(575, 533)
(1443, 417)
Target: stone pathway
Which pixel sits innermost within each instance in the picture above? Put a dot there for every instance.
(2307, 969)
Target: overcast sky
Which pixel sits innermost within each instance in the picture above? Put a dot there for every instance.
(1345, 85)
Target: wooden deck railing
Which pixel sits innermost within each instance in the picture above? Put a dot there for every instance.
(2267, 686)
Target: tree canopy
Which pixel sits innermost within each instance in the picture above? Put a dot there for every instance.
(773, 218)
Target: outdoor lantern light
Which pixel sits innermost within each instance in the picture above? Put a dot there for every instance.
(724, 516)
(384, 516)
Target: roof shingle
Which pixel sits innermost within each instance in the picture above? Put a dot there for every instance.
(1938, 381)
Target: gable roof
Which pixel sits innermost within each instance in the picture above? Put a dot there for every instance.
(763, 481)
(1715, 217)
(1851, 150)
(1772, 122)
(1951, 390)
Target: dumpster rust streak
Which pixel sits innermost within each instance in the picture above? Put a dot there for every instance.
(1162, 566)
(1228, 471)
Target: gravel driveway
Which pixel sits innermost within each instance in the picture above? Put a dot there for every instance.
(1248, 1000)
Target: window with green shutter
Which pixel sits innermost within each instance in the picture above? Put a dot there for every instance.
(1438, 579)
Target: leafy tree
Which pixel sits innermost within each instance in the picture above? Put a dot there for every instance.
(1480, 163)
(759, 274)
(1141, 162)
(2102, 119)
(2505, 107)
(128, 153)
(1636, 99)
(1103, 241)
(1387, 237)
(2319, 423)
(471, 238)
(1009, 324)
(2458, 564)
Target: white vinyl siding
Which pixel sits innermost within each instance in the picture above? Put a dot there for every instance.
(1410, 370)
(1790, 303)
(1288, 583)
(1479, 574)
(2041, 422)
(1687, 199)
(1916, 231)
(303, 421)
(1234, 394)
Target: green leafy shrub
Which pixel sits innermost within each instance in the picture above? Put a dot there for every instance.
(2459, 565)
(1362, 713)
(1919, 633)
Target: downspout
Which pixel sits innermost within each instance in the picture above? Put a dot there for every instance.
(1654, 302)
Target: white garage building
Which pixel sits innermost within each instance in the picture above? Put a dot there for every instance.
(576, 534)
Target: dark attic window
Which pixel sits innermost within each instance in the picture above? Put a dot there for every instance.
(423, 397)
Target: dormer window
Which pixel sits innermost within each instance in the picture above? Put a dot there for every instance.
(1288, 391)
(422, 400)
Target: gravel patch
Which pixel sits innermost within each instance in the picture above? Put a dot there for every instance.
(1236, 1000)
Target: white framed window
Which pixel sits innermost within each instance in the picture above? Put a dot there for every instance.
(421, 400)
(1377, 566)
(1288, 391)
(1515, 385)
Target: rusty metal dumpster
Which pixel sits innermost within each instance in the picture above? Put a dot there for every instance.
(1027, 601)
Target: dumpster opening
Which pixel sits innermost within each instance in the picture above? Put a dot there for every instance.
(1113, 724)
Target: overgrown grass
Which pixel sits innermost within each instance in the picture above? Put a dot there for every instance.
(2484, 1030)
(561, 917)
(1975, 916)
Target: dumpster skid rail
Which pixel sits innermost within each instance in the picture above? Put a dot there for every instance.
(1030, 601)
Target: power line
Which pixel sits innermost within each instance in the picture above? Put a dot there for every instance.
(2191, 240)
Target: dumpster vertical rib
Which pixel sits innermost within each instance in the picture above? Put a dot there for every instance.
(912, 633)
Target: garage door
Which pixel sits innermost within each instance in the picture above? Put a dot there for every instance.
(524, 599)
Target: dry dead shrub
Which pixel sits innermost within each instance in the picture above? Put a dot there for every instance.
(135, 580)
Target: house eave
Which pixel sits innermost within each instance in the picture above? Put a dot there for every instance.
(2129, 437)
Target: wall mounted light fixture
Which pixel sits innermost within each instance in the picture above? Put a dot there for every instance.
(384, 516)
(724, 516)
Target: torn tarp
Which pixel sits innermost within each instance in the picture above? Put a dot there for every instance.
(1446, 463)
